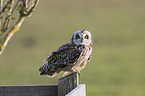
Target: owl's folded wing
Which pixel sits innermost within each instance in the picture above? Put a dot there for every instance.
(66, 55)
(61, 58)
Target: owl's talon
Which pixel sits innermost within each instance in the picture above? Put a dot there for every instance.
(65, 73)
(79, 74)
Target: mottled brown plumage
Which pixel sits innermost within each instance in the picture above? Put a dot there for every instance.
(70, 57)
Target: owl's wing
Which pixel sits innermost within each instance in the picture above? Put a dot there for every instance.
(65, 55)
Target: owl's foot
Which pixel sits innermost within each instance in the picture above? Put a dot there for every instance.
(77, 69)
(65, 73)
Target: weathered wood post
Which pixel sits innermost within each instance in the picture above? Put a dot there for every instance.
(67, 84)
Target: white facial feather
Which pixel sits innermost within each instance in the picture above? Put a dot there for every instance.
(82, 37)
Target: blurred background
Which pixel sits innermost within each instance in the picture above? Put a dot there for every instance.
(117, 67)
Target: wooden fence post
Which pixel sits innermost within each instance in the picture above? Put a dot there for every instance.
(67, 84)
(78, 91)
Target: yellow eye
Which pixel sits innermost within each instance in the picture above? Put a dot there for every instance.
(86, 37)
(77, 36)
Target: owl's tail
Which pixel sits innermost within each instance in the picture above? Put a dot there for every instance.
(48, 70)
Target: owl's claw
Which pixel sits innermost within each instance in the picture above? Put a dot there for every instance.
(65, 73)
(79, 74)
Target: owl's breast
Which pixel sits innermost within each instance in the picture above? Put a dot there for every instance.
(86, 52)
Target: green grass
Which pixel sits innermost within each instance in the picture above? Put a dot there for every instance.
(117, 27)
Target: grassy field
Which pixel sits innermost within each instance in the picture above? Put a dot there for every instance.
(117, 67)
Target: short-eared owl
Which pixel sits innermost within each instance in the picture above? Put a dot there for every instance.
(70, 57)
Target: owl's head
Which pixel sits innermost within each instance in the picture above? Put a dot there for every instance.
(82, 37)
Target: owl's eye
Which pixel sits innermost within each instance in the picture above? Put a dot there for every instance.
(77, 36)
(86, 37)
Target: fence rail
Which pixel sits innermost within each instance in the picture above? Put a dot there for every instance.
(67, 85)
(27, 90)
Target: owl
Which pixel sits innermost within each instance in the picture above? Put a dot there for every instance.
(70, 57)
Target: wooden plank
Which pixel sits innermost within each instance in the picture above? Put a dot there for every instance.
(78, 91)
(40, 90)
(67, 84)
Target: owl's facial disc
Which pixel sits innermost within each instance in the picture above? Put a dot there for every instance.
(82, 37)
